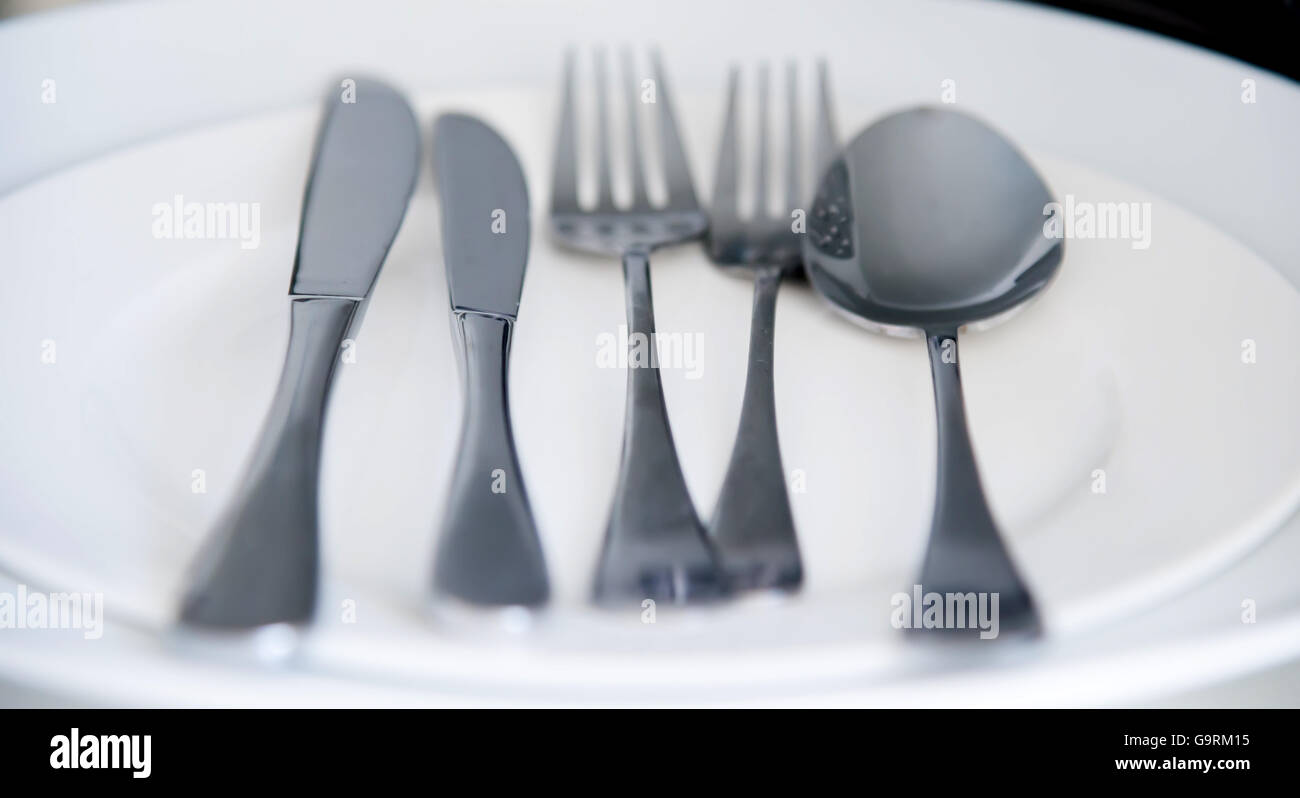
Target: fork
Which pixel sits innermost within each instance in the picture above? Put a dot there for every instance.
(752, 526)
(655, 545)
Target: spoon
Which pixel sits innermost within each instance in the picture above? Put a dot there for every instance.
(930, 221)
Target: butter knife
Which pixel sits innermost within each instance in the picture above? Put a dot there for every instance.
(260, 565)
(488, 552)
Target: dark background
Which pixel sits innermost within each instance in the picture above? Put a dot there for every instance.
(1262, 32)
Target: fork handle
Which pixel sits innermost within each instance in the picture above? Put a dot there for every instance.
(489, 552)
(752, 525)
(966, 553)
(655, 545)
(259, 567)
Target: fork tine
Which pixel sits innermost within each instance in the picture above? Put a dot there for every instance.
(677, 173)
(826, 139)
(640, 200)
(760, 165)
(724, 180)
(793, 189)
(604, 185)
(564, 180)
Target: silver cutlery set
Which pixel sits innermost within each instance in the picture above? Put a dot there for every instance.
(927, 222)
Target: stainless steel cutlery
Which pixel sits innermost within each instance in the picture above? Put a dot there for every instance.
(877, 240)
(655, 545)
(930, 220)
(260, 565)
(489, 552)
(752, 525)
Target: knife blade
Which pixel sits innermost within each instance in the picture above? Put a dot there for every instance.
(366, 161)
(485, 227)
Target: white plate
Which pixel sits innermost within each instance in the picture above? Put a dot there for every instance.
(167, 353)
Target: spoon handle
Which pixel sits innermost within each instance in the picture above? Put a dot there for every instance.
(655, 546)
(752, 525)
(966, 553)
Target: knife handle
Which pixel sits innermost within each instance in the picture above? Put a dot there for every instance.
(260, 565)
(488, 551)
(655, 545)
